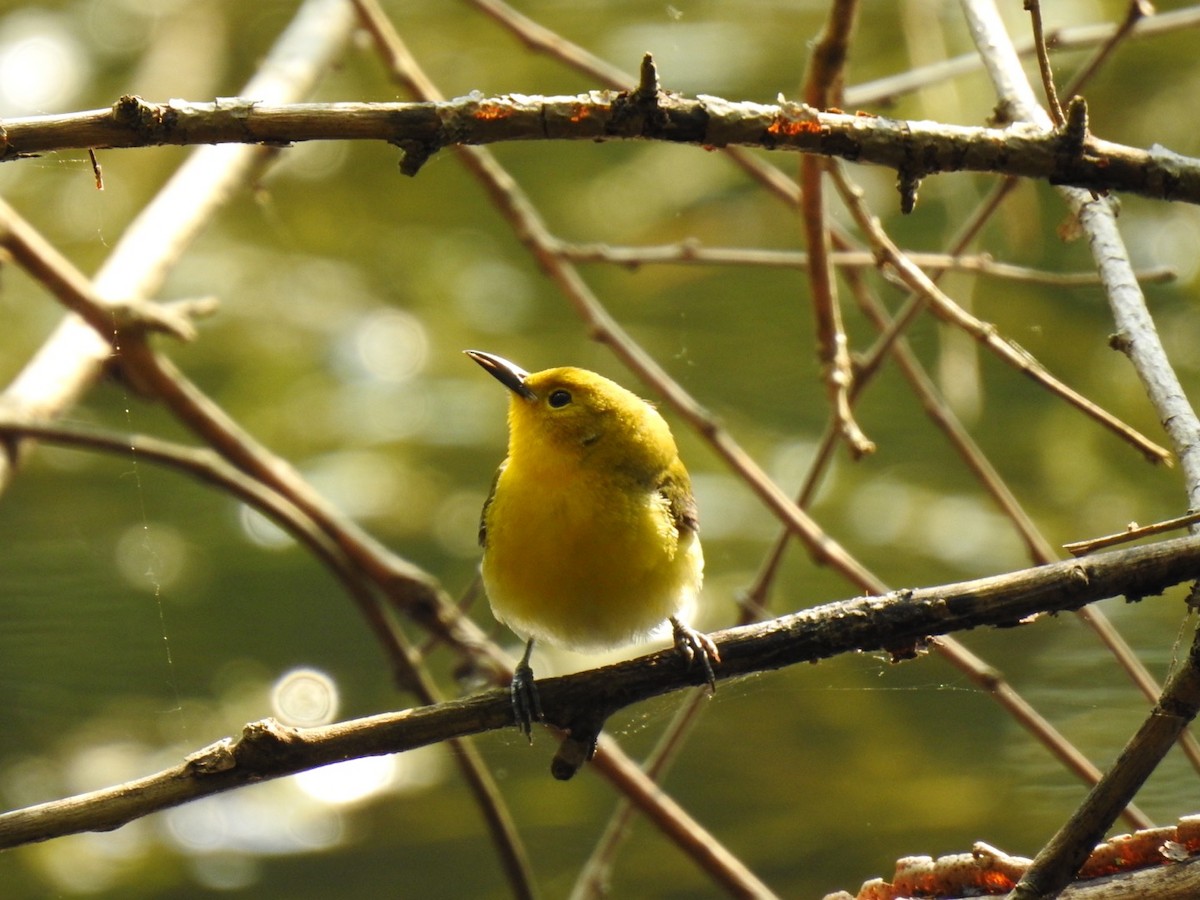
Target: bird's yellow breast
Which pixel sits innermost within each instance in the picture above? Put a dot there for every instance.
(583, 556)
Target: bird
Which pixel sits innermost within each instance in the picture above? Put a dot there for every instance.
(590, 532)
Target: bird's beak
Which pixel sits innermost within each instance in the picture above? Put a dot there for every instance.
(507, 373)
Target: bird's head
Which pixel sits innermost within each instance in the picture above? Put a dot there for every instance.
(581, 415)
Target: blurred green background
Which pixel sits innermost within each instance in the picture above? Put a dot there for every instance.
(143, 616)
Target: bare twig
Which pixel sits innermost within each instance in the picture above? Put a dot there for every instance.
(1135, 17)
(206, 466)
(823, 89)
(690, 252)
(1034, 8)
(1134, 532)
(541, 39)
(97, 172)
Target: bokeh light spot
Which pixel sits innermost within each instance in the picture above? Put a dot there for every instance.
(42, 64)
(305, 697)
(151, 556)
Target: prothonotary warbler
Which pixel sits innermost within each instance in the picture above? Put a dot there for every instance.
(589, 535)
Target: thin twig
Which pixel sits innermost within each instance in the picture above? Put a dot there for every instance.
(691, 252)
(1133, 533)
(97, 172)
(206, 466)
(822, 90)
(1034, 8)
(541, 39)
(1135, 16)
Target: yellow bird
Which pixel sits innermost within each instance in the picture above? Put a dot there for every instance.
(589, 534)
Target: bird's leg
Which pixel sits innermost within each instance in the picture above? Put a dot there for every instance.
(527, 706)
(692, 644)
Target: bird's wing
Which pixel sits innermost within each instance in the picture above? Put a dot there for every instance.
(486, 503)
(676, 487)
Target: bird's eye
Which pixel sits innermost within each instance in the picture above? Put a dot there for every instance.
(559, 398)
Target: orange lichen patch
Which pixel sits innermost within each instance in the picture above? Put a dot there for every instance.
(792, 127)
(1127, 851)
(983, 872)
(580, 113)
(987, 871)
(950, 876)
(996, 882)
(489, 112)
(862, 114)
(1188, 832)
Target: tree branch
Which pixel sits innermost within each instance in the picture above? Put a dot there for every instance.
(267, 749)
(690, 252)
(916, 149)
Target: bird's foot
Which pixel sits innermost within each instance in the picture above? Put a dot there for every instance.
(694, 645)
(526, 704)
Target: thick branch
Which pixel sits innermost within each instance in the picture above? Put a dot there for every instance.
(915, 149)
(269, 750)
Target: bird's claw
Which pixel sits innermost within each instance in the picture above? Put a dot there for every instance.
(526, 704)
(692, 645)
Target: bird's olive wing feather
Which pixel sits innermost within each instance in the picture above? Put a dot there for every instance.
(486, 503)
(676, 487)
